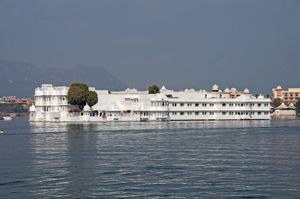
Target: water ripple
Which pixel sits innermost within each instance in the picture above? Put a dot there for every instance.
(232, 159)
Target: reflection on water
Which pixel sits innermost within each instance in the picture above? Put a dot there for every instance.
(228, 159)
(39, 127)
(49, 157)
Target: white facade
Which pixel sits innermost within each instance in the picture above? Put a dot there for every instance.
(168, 105)
(285, 111)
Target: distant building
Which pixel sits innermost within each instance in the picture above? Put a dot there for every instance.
(9, 99)
(284, 110)
(286, 96)
(14, 99)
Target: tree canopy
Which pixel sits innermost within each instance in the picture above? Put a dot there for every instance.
(91, 98)
(153, 89)
(80, 95)
(276, 102)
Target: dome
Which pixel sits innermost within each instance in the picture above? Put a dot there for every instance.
(32, 108)
(226, 90)
(291, 105)
(282, 106)
(233, 90)
(246, 91)
(86, 108)
(278, 88)
(215, 87)
(163, 88)
(260, 97)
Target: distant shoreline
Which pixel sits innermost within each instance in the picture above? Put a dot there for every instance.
(13, 109)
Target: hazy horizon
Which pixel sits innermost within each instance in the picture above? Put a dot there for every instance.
(179, 44)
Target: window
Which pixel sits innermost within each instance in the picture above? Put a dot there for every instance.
(196, 113)
(223, 113)
(196, 104)
(181, 113)
(259, 113)
(223, 104)
(181, 104)
(204, 105)
(211, 113)
(203, 113)
(259, 105)
(211, 105)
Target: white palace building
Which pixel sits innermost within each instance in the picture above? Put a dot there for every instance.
(50, 104)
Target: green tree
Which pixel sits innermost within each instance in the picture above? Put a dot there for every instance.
(77, 94)
(276, 102)
(153, 89)
(91, 98)
(297, 105)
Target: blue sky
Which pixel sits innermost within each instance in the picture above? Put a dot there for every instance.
(177, 43)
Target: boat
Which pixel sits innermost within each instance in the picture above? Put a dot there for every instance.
(1, 131)
(7, 118)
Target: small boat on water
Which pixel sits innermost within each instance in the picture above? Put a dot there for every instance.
(1, 131)
(7, 118)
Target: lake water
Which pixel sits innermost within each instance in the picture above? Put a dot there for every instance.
(224, 159)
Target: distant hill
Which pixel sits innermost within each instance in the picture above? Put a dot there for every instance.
(20, 78)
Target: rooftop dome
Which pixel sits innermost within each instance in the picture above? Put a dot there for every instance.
(215, 87)
(86, 108)
(260, 97)
(291, 105)
(163, 88)
(233, 90)
(278, 87)
(246, 91)
(32, 108)
(282, 106)
(226, 90)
